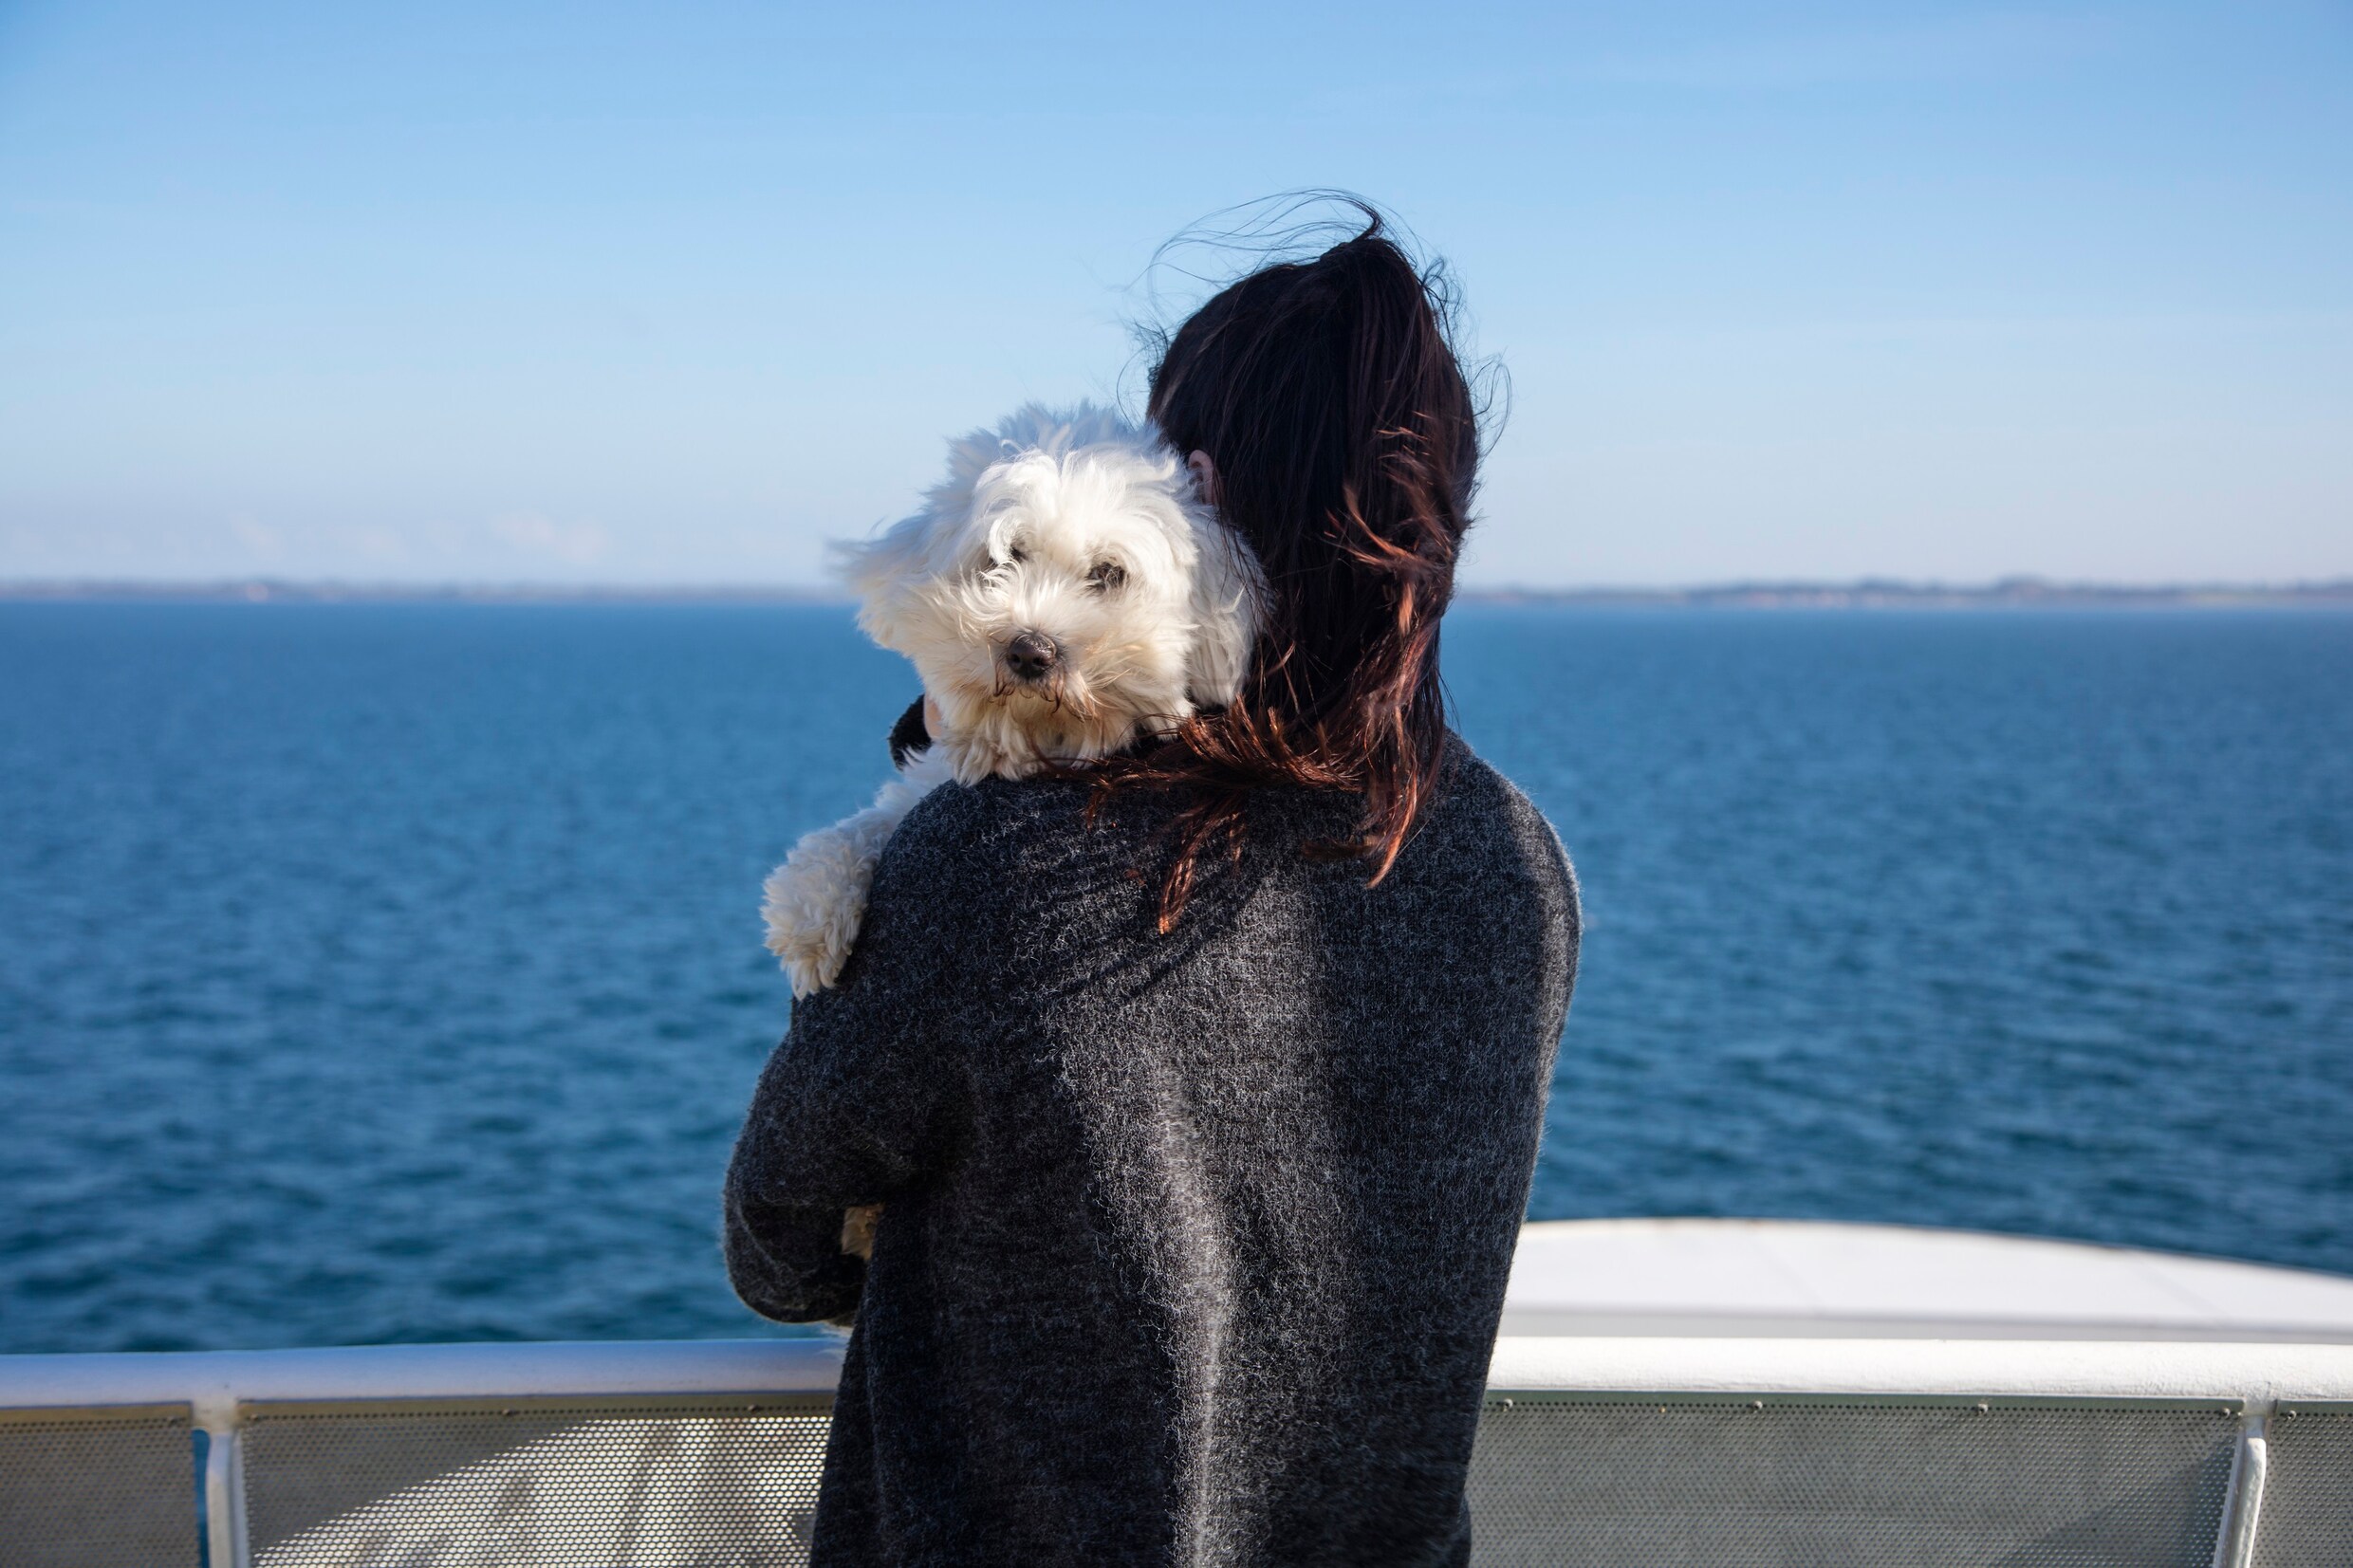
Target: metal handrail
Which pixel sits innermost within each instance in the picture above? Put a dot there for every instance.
(215, 1382)
(2258, 1374)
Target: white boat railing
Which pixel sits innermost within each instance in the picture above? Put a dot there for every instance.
(1591, 1449)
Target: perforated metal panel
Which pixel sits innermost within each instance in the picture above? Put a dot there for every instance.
(581, 1483)
(2307, 1500)
(1616, 1482)
(97, 1488)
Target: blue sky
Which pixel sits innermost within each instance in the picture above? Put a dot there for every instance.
(674, 294)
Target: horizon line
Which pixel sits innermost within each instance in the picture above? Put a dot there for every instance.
(2018, 590)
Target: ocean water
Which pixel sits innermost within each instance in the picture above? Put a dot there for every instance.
(378, 972)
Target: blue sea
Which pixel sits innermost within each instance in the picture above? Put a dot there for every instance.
(393, 972)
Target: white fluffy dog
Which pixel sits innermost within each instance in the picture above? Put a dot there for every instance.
(1065, 590)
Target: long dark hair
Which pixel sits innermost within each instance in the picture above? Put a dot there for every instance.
(1345, 433)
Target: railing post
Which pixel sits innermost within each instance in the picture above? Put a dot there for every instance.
(2243, 1504)
(224, 1484)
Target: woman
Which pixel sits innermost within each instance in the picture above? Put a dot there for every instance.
(1203, 1088)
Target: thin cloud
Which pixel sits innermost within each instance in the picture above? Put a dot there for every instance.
(579, 543)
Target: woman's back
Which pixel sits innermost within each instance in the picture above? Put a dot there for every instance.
(1194, 1244)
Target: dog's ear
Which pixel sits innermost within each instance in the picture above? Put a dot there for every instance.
(1229, 600)
(921, 545)
(899, 554)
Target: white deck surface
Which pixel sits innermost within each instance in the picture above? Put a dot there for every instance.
(1802, 1279)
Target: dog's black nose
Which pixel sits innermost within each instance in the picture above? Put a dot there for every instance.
(1030, 656)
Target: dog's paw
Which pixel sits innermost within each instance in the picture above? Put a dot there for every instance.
(810, 951)
(812, 906)
(813, 965)
(978, 755)
(816, 900)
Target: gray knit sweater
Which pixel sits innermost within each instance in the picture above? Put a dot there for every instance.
(1195, 1244)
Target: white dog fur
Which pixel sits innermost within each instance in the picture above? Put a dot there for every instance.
(1063, 591)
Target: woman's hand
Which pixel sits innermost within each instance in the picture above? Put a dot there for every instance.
(858, 1230)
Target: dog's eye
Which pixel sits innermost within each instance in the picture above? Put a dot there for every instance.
(1106, 576)
(1015, 555)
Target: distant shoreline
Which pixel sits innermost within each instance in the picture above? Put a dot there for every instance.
(1862, 593)
(1876, 594)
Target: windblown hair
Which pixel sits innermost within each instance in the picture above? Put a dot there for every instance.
(1345, 435)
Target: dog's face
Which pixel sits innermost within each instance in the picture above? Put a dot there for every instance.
(1061, 591)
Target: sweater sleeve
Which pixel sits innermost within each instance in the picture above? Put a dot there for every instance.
(863, 1100)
